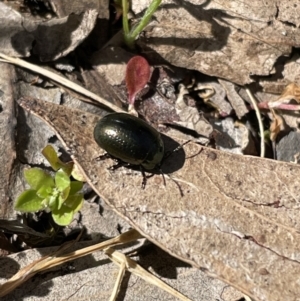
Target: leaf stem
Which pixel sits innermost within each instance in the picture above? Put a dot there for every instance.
(125, 17)
(136, 30)
(145, 19)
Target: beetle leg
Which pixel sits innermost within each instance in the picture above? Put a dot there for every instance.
(118, 165)
(115, 166)
(179, 187)
(163, 175)
(144, 177)
(103, 157)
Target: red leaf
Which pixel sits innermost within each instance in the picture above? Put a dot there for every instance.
(137, 76)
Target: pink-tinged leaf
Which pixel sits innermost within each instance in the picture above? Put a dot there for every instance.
(137, 76)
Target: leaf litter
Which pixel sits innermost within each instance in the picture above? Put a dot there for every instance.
(219, 46)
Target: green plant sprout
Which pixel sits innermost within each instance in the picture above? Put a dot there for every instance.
(131, 34)
(57, 193)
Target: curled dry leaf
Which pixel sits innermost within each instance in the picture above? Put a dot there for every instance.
(238, 218)
(190, 119)
(277, 125)
(234, 98)
(214, 95)
(290, 93)
(287, 102)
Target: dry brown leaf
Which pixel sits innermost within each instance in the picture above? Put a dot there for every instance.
(290, 93)
(216, 96)
(58, 37)
(52, 39)
(238, 219)
(278, 86)
(82, 278)
(11, 25)
(229, 39)
(7, 138)
(288, 71)
(98, 37)
(276, 126)
(234, 98)
(190, 118)
(287, 106)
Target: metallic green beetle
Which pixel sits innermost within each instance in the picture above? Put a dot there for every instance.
(130, 139)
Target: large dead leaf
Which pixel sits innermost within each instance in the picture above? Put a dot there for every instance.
(238, 219)
(230, 39)
(49, 40)
(7, 141)
(81, 277)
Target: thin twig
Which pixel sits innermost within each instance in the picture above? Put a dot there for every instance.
(59, 79)
(260, 124)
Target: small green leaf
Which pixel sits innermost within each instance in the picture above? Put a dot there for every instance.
(28, 201)
(65, 193)
(44, 192)
(37, 178)
(68, 167)
(77, 174)
(74, 202)
(60, 202)
(52, 201)
(62, 180)
(51, 156)
(75, 187)
(69, 207)
(64, 216)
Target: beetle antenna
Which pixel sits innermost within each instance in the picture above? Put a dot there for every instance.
(169, 153)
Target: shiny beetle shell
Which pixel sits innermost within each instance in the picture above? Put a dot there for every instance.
(130, 139)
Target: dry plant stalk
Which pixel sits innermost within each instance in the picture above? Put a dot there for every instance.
(58, 258)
